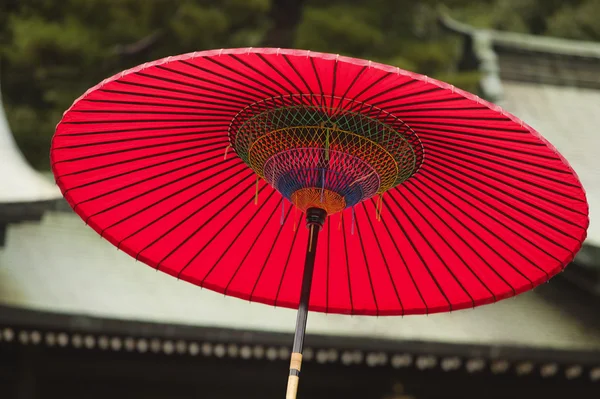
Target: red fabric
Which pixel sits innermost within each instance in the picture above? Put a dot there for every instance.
(493, 211)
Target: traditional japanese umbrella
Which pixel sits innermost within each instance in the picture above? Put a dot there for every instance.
(428, 198)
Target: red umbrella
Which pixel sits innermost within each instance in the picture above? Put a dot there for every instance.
(427, 198)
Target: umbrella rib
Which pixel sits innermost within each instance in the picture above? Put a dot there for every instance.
(460, 237)
(478, 156)
(269, 253)
(225, 121)
(387, 266)
(202, 96)
(195, 183)
(155, 176)
(244, 191)
(444, 144)
(144, 168)
(96, 168)
(258, 236)
(407, 95)
(223, 105)
(443, 168)
(142, 138)
(399, 107)
(431, 247)
(396, 87)
(511, 229)
(253, 96)
(314, 69)
(350, 86)
(130, 130)
(410, 241)
(142, 112)
(347, 267)
(259, 208)
(158, 104)
(439, 132)
(446, 242)
(285, 57)
(243, 75)
(279, 73)
(223, 227)
(287, 261)
(179, 206)
(446, 139)
(369, 87)
(383, 221)
(362, 246)
(261, 73)
(197, 86)
(144, 147)
(451, 116)
(480, 225)
(446, 158)
(333, 83)
(481, 127)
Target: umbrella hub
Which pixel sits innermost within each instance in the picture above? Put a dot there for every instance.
(325, 157)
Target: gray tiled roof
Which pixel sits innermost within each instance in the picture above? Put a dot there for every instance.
(61, 265)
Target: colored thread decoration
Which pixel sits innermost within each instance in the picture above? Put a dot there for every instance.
(298, 148)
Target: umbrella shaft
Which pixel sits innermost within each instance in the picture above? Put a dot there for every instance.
(315, 219)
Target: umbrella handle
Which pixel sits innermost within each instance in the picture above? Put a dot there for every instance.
(294, 378)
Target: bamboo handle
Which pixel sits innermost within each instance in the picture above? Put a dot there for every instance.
(294, 378)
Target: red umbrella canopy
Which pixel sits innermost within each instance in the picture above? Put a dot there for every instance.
(202, 166)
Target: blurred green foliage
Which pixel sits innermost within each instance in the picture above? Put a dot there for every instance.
(52, 51)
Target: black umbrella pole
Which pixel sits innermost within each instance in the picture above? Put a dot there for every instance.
(314, 221)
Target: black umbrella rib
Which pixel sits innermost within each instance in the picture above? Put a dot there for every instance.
(364, 253)
(146, 147)
(451, 139)
(150, 191)
(452, 133)
(407, 95)
(459, 236)
(350, 86)
(314, 69)
(287, 60)
(144, 112)
(479, 127)
(142, 138)
(443, 167)
(383, 221)
(96, 168)
(369, 87)
(259, 208)
(243, 75)
(159, 105)
(347, 266)
(258, 236)
(156, 176)
(483, 226)
(203, 225)
(403, 106)
(266, 61)
(287, 261)
(163, 199)
(453, 159)
(203, 96)
(333, 83)
(253, 96)
(479, 151)
(261, 73)
(210, 89)
(499, 161)
(223, 227)
(217, 122)
(445, 242)
(222, 105)
(387, 266)
(182, 204)
(269, 253)
(144, 168)
(134, 130)
(431, 247)
(507, 227)
(401, 226)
